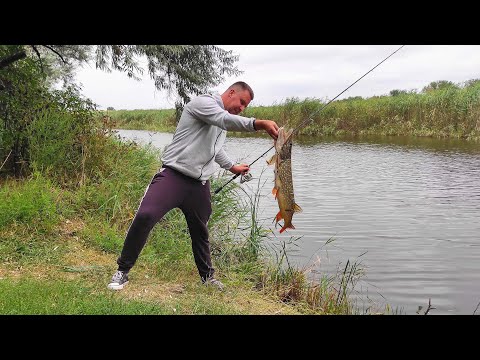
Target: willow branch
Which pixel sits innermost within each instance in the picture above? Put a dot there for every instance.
(12, 58)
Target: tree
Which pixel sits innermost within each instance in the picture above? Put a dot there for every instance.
(439, 85)
(353, 98)
(471, 83)
(184, 69)
(398, 92)
(27, 73)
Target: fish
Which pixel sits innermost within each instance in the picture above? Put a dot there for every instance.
(283, 188)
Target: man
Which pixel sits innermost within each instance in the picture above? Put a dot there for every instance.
(183, 180)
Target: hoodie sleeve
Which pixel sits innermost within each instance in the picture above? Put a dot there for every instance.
(223, 160)
(206, 109)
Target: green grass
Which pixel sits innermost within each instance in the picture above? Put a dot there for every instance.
(29, 202)
(34, 297)
(64, 269)
(30, 296)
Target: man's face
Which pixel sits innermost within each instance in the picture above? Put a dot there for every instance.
(237, 101)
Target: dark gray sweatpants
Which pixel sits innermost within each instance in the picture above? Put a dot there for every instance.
(171, 189)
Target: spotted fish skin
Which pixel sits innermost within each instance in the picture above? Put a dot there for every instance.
(283, 188)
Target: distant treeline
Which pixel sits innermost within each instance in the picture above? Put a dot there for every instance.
(440, 109)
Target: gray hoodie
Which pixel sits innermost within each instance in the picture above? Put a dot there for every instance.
(200, 135)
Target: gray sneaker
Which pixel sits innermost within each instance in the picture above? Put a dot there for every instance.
(214, 282)
(119, 280)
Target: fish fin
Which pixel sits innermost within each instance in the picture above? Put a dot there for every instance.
(297, 208)
(287, 227)
(274, 192)
(279, 216)
(272, 160)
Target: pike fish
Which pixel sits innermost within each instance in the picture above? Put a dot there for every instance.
(283, 188)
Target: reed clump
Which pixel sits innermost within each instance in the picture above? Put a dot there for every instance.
(449, 111)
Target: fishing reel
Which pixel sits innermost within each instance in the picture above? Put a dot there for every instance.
(246, 177)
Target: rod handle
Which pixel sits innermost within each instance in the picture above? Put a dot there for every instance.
(229, 181)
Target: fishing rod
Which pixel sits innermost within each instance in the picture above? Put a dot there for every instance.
(310, 117)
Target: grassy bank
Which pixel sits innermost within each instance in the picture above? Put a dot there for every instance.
(69, 189)
(451, 111)
(62, 232)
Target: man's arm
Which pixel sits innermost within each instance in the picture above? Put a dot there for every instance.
(207, 110)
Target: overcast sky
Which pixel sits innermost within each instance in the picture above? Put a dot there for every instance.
(278, 72)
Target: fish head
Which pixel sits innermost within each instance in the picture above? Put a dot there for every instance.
(284, 138)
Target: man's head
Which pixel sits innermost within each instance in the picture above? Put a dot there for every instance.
(237, 97)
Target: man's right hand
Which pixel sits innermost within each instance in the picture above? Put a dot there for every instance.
(269, 126)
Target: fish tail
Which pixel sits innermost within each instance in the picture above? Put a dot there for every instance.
(287, 227)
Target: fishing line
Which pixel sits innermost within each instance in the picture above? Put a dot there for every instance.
(309, 118)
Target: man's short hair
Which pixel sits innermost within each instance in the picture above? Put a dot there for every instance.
(242, 86)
